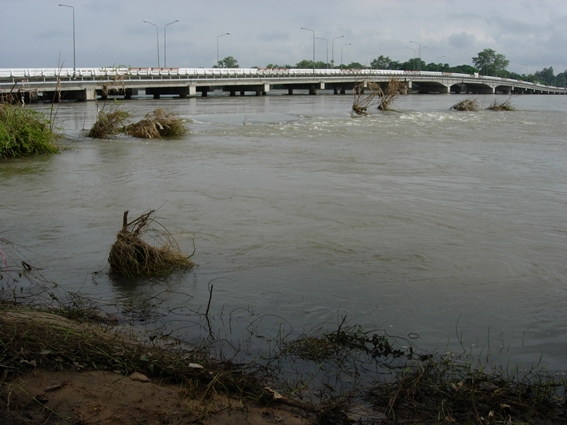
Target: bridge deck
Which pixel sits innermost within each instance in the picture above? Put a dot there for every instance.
(83, 83)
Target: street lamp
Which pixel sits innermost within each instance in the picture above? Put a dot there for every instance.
(74, 57)
(347, 44)
(333, 49)
(444, 56)
(327, 47)
(157, 38)
(419, 52)
(164, 43)
(411, 48)
(222, 35)
(307, 29)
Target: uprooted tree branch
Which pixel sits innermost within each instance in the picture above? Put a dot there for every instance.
(376, 95)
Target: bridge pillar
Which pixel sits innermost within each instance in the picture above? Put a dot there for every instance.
(290, 91)
(192, 90)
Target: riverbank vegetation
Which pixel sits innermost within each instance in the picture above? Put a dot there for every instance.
(24, 132)
(67, 359)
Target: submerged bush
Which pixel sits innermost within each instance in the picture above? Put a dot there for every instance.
(108, 124)
(466, 105)
(24, 132)
(157, 124)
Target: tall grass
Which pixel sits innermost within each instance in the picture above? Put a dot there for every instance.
(24, 132)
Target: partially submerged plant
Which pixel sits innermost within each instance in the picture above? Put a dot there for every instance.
(466, 105)
(504, 106)
(378, 95)
(157, 124)
(108, 124)
(24, 132)
(131, 256)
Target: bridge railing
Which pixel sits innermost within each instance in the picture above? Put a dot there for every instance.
(112, 73)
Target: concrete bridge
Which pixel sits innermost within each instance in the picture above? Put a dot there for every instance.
(83, 84)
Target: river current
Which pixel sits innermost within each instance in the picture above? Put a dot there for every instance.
(431, 223)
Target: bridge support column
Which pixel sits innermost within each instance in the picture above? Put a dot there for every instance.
(290, 91)
(192, 90)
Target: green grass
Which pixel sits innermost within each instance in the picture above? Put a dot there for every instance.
(24, 132)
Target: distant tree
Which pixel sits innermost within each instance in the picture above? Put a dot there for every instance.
(354, 65)
(228, 62)
(384, 62)
(545, 76)
(462, 69)
(489, 62)
(272, 65)
(436, 67)
(414, 64)
(307, 64)
(561, 79)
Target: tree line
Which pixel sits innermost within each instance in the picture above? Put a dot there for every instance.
(487, 62)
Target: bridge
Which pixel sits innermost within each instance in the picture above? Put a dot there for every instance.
(84, 84)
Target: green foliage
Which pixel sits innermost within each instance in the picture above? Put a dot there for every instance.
(354, 65)
(489, 62)
(24, 132)
(228, 62)
(384, 62)
(307, 64)
(545, 76)
(415, 64)
(276, 66)
(561, 79)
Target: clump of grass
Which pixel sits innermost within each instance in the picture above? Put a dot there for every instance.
(446, 391)
(466, 105)
(157, 124)
(504, 106)
(108, 124)
(24, 132)
(131, 256)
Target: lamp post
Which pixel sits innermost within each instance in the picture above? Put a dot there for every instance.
(444, 56)
(327, 48)
(222, 35)
(74, 57)
(347, 44)
(307, 29)
(165, 43)
(157, 38)
(419, 53)
(333, 49)
(411, 48)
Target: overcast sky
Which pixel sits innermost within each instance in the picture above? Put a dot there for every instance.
(532, 34)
